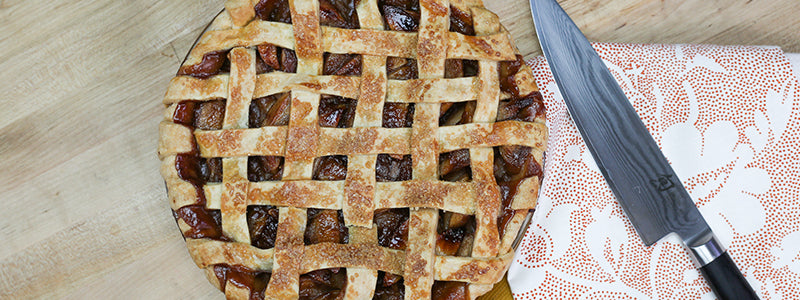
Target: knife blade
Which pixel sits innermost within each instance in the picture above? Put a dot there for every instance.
(634, 167)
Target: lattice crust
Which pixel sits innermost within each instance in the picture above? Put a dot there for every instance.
(291, 176)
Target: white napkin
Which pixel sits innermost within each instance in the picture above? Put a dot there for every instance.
(728, 119)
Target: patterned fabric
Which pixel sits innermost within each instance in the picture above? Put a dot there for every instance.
(728, 119)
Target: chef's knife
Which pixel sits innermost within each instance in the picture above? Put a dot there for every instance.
(641, 178)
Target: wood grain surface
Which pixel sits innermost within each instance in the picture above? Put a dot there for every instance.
(84, 210)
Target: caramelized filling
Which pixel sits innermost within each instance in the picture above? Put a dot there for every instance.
(263, 224)
(400, 15)
(338, 13)
(392, 228)
(198, 171)
(455, 68)
(184, 113)
(212, 64)
(203, 223)
(209, 115)
(242, 277)
(461, 22)
(336, 111)
(212, 169)
(397, 115)
(389, 287)
(341, 64)
(526, 108)
(399, 68)
(272, 110)
(456, 234)
(277, 59)
(264, 168)
(512, 164)
(191, 167)
(449, 290)
(274, 11)
(325, 226)
(507, 70)
(457, 113)
(392, 167)
(206, 115)
(261, 66)
(325, 284)
(455, 166)
(332, 167)
(270, 55)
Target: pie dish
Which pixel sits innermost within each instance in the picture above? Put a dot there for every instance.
(339, 149)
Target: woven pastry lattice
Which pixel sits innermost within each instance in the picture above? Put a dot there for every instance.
(212, 145)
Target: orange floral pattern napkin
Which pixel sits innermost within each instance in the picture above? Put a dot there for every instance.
(728, 120)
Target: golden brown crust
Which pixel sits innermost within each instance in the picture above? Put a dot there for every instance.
(432, 90)
(242, 142)
(496, 46)
(371, 256)
(359, 191)
(360, 194)
(303, 135)
(284, 283)
(279, 82)
(208, 253)
(241, 11)
(418, 271)
(307, 32)
(472, 270)
(424, 145)
(486, 208)
(364, 140)
(185, 87)
(369, 41)
(492, 134)
(489, 47)
(233, 201)
(327, 194)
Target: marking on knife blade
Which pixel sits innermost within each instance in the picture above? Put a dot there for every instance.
(663, 182)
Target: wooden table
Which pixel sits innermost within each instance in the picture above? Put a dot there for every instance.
(84, 211)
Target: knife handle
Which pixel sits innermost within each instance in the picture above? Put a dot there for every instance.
(721, 272)
(726, 280)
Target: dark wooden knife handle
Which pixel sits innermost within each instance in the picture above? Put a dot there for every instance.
(726, 280)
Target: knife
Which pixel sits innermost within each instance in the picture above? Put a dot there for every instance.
(639, 175)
